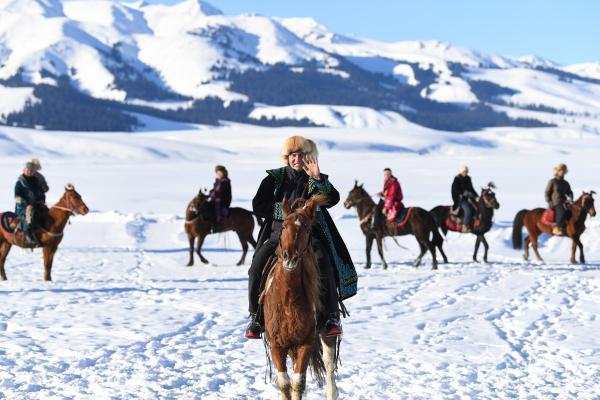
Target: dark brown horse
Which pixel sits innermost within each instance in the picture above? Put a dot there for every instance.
(486, 205)
(532, 219)
(52, 224)
(292, 306)
(197, 227)
(420, 224)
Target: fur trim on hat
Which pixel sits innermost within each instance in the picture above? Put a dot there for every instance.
(294, 144)
(37, 164)
(314, 150)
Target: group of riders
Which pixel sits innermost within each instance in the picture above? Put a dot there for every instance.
(299, 179)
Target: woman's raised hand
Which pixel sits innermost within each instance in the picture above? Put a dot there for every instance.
(311, 167)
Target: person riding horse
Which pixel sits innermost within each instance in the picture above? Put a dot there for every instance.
(391, 200)
(462, 193)
(219, 198)
(558, 193)
(301, 179)
(30, 196)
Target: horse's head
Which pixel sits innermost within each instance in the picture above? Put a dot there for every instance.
(196, 204)
(355, 196)
(72, 201)
(587, 203)
(294, 241)
(488, 196)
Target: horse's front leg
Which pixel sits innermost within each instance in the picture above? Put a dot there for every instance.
(191, 239)
(48, 260)
(486, 247)
(300, 367)
(369, 239)
(244, 243)
(279, 356)
(573, 251)
(329, 359)
(581, 256)
(199, 244)
(477, 243)
(380, 250)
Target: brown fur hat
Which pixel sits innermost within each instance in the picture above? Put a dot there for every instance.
(314, 150)
(294, 144)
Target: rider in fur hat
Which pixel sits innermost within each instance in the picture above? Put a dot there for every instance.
(301, 178)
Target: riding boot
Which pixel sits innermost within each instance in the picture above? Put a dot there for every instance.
(254, 329)
(333, 326)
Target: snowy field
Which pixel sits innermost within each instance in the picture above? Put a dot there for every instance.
(124, 319)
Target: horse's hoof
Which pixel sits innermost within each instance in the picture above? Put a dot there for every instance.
(367, 267)
(204, 261)
(385, 266)
(189, 264)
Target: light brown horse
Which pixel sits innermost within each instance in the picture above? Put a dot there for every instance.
(420, 223)
(532, 219)
(292, 307)
(50, 233)
(197, 227)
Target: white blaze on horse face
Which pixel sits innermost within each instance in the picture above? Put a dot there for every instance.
(298, 222)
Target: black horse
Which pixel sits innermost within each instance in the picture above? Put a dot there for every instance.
(486, 205)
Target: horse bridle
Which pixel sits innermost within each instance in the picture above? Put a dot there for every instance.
(300, 254)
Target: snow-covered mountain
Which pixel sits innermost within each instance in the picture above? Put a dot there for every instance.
(92, 64)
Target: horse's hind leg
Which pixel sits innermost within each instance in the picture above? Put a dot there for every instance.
(329, 359)
(4, 250)
(300, 366)
(199, 248)
(283, 379)
(434, 264)
(526, 245)
(191, 239)
(423, 247)
(534, 244)
(244, 242)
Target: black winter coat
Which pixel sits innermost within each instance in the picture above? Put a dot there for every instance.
(268, 204)
(460, 185)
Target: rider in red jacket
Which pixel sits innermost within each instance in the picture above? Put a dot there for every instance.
(392, 195)
(391, 201)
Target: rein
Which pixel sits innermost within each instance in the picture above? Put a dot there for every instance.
(191, 221)
(71, 211)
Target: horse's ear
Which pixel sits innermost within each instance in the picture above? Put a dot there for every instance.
(285, 205)
(592, 192)
(491, 185)
(361, 185)
(313, 202)
(356, 183)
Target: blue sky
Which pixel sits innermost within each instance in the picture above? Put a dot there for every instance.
(564, 31)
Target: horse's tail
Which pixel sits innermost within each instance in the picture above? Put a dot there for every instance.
(316, 361)
(517, 233)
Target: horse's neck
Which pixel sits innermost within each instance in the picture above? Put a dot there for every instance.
(579, 213)
(365, 206)
(57, 220)
(487, 214)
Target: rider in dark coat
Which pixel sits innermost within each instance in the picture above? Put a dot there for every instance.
(29, 196)
(462, 191)
(301, 179)
(220, 197)
(558, 192)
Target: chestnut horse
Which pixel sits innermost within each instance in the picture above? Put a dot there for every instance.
(197, 227)
(292, 306)
(51, 224)
(580, 209)
(486, 205)
(420, 224)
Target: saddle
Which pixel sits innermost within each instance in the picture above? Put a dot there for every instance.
(402, 217)
(548, 217)
(9, 222)
(455, 220)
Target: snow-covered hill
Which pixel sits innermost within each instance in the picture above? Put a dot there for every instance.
(172, 60)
